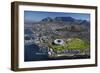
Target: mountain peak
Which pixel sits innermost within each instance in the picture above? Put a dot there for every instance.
(48, 19)
(65, 19)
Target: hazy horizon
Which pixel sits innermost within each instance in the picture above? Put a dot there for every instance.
(35, 16)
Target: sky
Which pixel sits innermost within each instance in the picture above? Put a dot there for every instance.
(39, 15)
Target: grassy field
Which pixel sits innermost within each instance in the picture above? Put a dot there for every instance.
(59, 47)
(73, 44)
(77, 44)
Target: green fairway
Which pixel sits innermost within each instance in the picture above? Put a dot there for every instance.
(77, 44)
(73, 44)
(58, 47)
